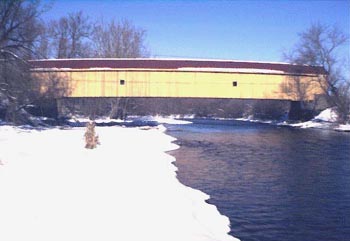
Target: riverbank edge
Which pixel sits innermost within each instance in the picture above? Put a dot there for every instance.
(199, 197)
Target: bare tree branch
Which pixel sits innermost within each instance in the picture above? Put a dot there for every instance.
(69, 36)
(119, 40)
(319, 45)
(18, 32)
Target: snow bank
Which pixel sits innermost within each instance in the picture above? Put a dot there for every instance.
(165, 120)
(250, 119)
(51, 188)
(327, 119)
(75, 119)
(313, 124)
(159, 119)
(345, 128)
(328, 115)
(98, 120)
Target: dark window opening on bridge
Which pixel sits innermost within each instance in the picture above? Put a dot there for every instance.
(122, 82)
(234, 83)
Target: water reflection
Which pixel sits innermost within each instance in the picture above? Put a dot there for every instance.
(273, 183)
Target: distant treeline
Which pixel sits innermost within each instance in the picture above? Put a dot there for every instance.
(76, 36)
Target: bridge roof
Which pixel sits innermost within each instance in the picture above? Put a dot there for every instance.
(177, 65)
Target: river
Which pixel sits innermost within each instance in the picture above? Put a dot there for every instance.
(274, 183)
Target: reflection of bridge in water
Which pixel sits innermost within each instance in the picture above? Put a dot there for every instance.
(179, 78)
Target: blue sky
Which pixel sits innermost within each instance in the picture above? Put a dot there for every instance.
(242, 30)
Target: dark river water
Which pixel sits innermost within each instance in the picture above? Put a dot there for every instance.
(274, 183)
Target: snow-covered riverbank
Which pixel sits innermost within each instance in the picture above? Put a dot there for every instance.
(326, 120)
(51, 188)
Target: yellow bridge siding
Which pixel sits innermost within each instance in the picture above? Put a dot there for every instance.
(106, 83)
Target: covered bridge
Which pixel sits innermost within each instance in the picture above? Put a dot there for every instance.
(194, 80)
(179, 78)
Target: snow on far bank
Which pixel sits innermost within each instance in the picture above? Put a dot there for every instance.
(250, 119)
(98, 120)
(313, 124)
(52, 188)
(328, 115)
(345, 128)
(173, 120)
(327, 119)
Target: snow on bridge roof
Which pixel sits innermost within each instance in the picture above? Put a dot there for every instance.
(175, 64)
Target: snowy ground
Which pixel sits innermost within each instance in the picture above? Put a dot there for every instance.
(52, 188)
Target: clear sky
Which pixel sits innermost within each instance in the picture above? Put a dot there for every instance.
(241, 30)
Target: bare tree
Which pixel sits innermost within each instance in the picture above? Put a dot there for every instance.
(42, 47)
(18, 32)
(19, 21)
(319, 45)
(69, 36)
(119, 40)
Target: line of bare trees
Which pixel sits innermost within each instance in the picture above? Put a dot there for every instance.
(76, 36)
(25, 35)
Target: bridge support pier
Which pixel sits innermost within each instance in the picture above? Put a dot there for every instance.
(229, 108)
(299, 111)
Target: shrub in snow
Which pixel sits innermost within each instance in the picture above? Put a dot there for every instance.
(91, 139)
